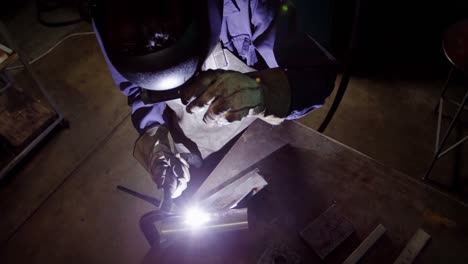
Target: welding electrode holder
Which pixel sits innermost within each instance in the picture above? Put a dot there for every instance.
(167, 202)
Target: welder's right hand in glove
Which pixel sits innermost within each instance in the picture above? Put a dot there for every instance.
(229, 96)
(154, 150)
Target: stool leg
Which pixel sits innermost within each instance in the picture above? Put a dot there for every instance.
(439, 124)
(444, 88)
(446, 136)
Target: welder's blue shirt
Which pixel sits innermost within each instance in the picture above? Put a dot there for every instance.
(262, 33)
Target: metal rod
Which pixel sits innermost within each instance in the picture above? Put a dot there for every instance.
(439, 124)
(454, 120)
(359, 252)
(452, 147)
(146, 198)
(30, 146)
(447, 81)
(456, 103)
(413, 248)
(445, 86)
(446, 136)
(223, 221)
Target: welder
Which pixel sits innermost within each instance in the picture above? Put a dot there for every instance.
(197, 73)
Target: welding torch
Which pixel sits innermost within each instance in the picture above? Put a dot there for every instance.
(167, 201)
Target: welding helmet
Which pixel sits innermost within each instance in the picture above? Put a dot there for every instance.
(158, 45)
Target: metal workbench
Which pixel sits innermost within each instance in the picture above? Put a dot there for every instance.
(307, 173)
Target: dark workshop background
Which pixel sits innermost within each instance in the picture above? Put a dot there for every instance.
(394, 36)
(63, 196)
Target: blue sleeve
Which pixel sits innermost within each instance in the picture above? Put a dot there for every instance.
(144, 115)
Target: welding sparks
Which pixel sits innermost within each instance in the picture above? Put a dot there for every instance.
(195, 217)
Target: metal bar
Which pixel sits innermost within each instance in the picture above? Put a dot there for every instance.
(220, 221)
(30, 146)
(447, 81)
(242, 174)
(446, 136)
(456, 103)
(412, 249)
(452, 147)
(439, 124)
(445, 86)
(359, 252)
(146, 198)
(230, 195)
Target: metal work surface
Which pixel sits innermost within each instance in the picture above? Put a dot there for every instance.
(307, 173)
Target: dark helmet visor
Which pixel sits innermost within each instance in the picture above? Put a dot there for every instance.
(162, 59)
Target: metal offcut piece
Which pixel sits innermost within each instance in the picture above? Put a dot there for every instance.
(413, 248)
(279, 254)
(359, 252)
(230, 193)
(326, 232)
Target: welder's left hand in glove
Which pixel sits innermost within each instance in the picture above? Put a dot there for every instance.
(228, 96)
(169, 170)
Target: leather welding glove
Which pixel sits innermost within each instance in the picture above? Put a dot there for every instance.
(228, 96)
(154, 150)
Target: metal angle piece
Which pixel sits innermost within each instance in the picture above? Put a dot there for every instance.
(229, 194)
(413, 248)
(229, 220)
(359, 252)
(326, 232)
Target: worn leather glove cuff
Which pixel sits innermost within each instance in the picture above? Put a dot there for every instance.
(276, 94)
(154, 141)
(155, 151)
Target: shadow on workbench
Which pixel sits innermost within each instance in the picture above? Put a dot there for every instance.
(302, 187)
(299, 189)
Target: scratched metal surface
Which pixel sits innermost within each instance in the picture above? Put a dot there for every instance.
(327, 232)
(306, 173)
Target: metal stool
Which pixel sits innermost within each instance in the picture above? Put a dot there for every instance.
(455, 45)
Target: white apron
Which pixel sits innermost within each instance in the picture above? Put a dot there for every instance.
(210, 139)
